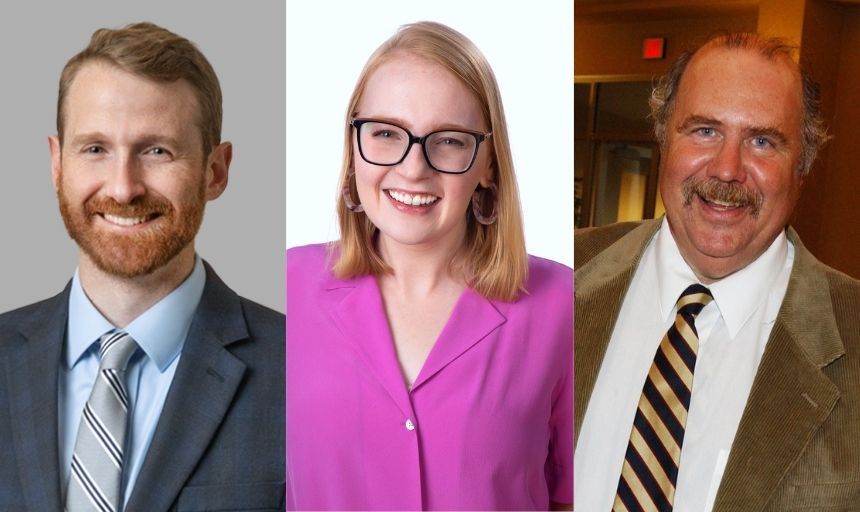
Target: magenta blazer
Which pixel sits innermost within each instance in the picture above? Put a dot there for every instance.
(488, 423)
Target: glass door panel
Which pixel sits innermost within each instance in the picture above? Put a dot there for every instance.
(622, 171)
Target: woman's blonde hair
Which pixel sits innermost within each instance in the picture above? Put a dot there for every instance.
(493, 259)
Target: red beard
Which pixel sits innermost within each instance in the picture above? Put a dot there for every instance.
(141, 252)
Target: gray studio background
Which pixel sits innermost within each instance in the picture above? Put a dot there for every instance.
(243, 231)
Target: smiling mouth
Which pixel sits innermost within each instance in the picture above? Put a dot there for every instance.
(722, 205)
(127, 221)
(412, 199)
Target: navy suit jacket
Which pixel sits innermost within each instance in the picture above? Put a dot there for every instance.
(219, 443)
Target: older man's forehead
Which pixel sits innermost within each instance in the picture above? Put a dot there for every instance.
(711, 57)
(714, 51)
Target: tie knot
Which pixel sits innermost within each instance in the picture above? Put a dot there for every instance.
(694, 298)
(115, 349)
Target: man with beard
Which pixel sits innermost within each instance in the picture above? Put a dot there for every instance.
(717, 360)
(147, 384)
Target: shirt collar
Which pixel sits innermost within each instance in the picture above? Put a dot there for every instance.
(160, 331)
(737, 296)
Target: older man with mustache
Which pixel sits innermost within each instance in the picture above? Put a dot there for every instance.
(717, 361)
(147, 384)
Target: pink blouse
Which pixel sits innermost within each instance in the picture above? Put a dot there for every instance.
(488, 423)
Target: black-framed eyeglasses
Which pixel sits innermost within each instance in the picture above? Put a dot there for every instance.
(448, 151)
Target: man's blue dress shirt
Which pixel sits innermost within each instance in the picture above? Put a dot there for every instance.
(160, 332)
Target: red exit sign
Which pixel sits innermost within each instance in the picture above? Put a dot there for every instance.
(654, 48)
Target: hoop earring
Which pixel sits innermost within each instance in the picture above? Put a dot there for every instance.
(347, 196)
(477, 210)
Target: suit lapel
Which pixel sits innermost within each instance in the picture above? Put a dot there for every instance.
(200, 395)
(32, 376)
(790, 397)
(599, 289)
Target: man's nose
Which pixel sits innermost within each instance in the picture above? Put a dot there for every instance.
(125, 180)
(728, 162)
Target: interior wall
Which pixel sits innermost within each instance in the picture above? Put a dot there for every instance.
(606, 48)
(839, 206)
(820, 56)
(781, 18)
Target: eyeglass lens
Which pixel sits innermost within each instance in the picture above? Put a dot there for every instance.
(387, 144)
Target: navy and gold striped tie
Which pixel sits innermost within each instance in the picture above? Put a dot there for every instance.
(650, 468)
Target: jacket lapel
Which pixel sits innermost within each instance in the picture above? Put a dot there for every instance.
(200, 395)
(599, 289)
(32, 376)
(790, 397)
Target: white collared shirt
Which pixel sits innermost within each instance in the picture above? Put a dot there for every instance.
(733, 332)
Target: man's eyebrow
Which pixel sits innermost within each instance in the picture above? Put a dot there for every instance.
(83, 138)
(145, 140)
(698, 120)
(148, 140)
(753, 131)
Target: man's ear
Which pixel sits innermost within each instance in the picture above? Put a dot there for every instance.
(218, 170)
(56, 160)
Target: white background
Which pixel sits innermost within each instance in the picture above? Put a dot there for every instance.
(529, 46)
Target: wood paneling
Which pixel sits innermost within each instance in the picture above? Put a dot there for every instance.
(839, 243)
(821, 37)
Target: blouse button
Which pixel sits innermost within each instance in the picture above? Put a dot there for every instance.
(410, 425)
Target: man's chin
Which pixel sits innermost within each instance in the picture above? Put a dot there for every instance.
(128, 259)
(127, 267)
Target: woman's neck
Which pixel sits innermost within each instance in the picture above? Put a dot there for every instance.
(420, 269)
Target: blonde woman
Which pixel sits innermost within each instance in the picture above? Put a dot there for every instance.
(429, 357)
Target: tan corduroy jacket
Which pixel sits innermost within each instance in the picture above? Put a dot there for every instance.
(798, 442)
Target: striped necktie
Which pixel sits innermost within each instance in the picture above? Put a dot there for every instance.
(650, 468)
(96, 477)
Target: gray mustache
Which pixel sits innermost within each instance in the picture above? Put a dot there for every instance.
(714, 190)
